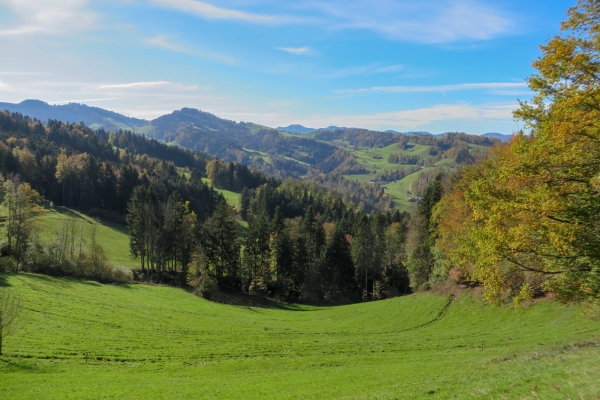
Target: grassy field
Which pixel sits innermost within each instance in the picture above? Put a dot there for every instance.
(157, 342)
(231, 197)
(399, 190)
(113, 237)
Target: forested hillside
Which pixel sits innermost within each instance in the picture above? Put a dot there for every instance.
(75, 113)
(300, 241)
(365, 167)
(359, 164)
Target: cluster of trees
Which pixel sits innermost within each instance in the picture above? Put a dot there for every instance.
(359, 137)
(309, 257)
(452, 139)
(302, 243)
(409, 159)
(74, 166)
(234, 177)
(161, 234)
(395, 175)
(365, 196)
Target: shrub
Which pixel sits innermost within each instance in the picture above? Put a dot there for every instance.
(207, 286)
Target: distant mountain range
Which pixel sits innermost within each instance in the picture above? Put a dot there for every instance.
(96, 118)
(299, 129)
(93, 117)
(496, 135)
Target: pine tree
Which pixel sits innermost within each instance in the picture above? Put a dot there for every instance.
(222, 246)
(339, 266)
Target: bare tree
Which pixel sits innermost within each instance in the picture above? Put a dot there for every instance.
(11, 306)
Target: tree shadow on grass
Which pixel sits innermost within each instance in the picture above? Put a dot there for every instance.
(4, 279)
(16, 365)
(81, 217)
(251, 302)
(65, 282)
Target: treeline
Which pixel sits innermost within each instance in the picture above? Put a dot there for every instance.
(395, 175)
(399, 158)
(359, 137)
(451, 140)
(302, 243)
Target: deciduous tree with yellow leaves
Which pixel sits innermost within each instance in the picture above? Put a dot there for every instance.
(530, 213)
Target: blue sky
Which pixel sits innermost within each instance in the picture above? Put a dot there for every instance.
(434, 66)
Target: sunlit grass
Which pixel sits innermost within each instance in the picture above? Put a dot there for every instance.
(158, 342)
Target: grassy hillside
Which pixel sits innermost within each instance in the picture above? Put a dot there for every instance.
(231, 197)
(157, 342)
(113, 237)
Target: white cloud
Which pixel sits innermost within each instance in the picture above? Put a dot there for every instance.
(48, 17)
(411, 119)
(363, 70)
(438, 88)
(4, 86)
(389, 69)
(83, 100)
(296, 50)
(209, 11)
(424, 21)
(164, 85)
(134, 85)
(164, 42)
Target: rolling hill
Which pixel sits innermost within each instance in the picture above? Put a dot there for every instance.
(87, 340)
(326, 156)
(93, 117)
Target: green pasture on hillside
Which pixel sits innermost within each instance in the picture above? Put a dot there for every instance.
(231, 197)
(156, 342)
(365, 157)
(111, 236)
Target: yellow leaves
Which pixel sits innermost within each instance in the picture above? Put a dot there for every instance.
(525, 294)
(68, 167)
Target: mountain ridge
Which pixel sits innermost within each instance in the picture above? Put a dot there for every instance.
(94, 117)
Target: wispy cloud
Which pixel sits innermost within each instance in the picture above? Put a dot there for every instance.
(364, 70)
(208, 11)
(83, 100)
(164, 42)
(411, 119)
(4, 86)
(438, 88)
(134, 85)
(440, 21)
(36, 17)
(297, 50)
(20, 73)
(149, 85)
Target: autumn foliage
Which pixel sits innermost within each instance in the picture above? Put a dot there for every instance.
(528, 216)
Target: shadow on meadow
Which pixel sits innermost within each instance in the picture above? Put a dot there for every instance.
(8, 365)
(65, 282)
(255, 302)
(3, 280)
(68, 213)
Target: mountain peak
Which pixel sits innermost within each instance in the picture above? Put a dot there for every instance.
(295, 128)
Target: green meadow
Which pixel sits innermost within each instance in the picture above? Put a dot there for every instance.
(87, 340)
(111, 236)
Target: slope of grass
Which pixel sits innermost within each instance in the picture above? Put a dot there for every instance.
(231, 197)
(157, 342)
(111, 236)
